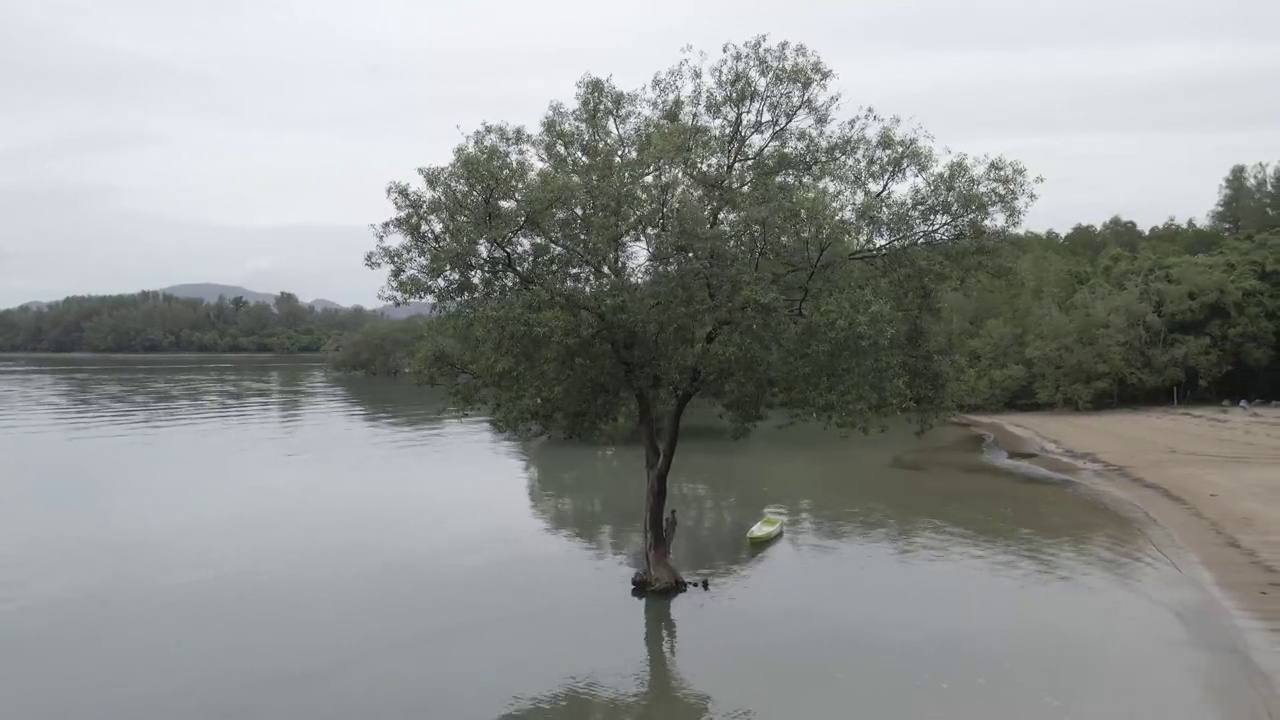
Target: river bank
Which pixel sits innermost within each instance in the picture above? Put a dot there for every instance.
(1208, 476)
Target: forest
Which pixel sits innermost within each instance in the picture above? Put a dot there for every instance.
(154, 322)
(1114, 315)
(1100, 316)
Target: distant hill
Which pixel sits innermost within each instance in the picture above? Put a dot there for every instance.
(391, 312)
(210, 292)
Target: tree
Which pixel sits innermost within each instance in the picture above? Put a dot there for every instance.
(719, 234)
(663, 692)
(1248, 200)
(292, 313)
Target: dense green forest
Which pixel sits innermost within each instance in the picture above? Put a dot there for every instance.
(155, 322)
(1101, 316)
(1113, 314)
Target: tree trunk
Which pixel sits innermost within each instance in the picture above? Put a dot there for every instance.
(660, 440)
(659, 533)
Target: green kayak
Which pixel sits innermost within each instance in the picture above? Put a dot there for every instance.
(767, 529)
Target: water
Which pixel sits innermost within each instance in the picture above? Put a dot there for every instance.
(254, 538)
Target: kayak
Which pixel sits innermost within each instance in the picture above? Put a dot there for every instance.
(767, 529)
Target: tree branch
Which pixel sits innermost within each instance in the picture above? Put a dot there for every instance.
(653, 454)
(808, 281)
(899, 242)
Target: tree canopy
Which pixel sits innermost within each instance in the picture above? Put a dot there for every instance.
(724, 232)
(1248, 199)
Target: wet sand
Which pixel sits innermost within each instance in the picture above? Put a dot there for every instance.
(1208, 476)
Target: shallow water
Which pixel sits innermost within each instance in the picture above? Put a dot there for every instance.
(196, 537)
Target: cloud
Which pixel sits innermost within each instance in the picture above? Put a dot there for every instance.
(34, 156)
(257, 265)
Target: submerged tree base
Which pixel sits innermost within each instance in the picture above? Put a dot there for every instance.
(667, 582)
(642, 585)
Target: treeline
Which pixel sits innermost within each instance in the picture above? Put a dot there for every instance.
(1113, 315)
(155, 322)
(1101, 316)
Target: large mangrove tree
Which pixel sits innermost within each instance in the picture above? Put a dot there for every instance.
(728, 234)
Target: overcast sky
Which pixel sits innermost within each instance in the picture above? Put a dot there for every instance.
(150, 142)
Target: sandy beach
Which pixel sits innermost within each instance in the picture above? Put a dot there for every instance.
(1209, 476)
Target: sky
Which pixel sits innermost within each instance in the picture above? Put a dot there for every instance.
(145, 143)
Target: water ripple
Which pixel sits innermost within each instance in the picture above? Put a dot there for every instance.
(96, 400)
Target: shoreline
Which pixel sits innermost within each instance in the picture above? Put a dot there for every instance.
(1202, 478)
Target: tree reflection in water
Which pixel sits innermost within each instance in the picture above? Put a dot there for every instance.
(662, 693)
(932, 497)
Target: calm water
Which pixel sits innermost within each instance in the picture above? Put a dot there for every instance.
(248, 538)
